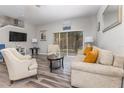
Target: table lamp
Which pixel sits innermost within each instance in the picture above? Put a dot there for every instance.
(89, 40)
(34, 42)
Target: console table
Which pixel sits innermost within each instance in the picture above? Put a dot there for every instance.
(34, 50)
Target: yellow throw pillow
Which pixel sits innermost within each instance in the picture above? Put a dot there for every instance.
(91, 57)
(87, 50)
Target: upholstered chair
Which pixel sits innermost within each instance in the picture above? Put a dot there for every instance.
(18, 55)
(53, 49)
(19, 68)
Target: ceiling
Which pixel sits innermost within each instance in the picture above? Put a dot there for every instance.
(47, 13)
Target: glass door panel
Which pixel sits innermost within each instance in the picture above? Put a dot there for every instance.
(63, 43)
(69, 42)
(75, 41)
(80, 39)
(56, 38)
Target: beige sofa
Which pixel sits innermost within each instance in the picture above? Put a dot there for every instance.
(96, 75)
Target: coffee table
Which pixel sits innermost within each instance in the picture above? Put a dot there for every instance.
(55, 58)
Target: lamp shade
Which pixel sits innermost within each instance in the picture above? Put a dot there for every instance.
(34, 40)
(88, 39)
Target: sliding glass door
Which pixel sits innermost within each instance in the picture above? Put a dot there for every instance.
(69, 42)
(63, 43)
(75, 41)
(56, 38)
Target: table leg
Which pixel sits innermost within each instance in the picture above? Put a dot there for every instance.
(62, 62)
(50, 66)
(36, 51)
(32, 52)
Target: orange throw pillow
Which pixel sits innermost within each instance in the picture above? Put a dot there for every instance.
(87, 50)
(91, 57)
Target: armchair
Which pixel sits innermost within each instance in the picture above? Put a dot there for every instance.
(53, 49)
(19, 68)
(18, 55)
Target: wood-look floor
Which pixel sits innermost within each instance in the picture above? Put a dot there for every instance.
(59, 78)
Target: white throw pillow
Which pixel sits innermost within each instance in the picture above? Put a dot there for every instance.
(106, 57)
(99, 49)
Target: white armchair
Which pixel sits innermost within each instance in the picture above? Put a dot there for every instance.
(18, 68)
(18, 55)
(53, 49)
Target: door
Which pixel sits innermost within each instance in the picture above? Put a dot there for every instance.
(69, 42)
(63, 43)
(75, 42)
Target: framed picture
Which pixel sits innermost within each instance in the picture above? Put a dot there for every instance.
(98, 26)
(43, 35)
(67, 25)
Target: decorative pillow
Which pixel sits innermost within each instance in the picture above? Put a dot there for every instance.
(118, 61)
(87, 50)
(106, 57)
(91, 57)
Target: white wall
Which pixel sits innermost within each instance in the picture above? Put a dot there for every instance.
(85, 24)
(29, 29)
(112, 39)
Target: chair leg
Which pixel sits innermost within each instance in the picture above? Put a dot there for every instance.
(122, 83)
(74, 87)
(11, 82)
(36, 77)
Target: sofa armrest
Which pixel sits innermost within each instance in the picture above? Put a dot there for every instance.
(118, 61)
(98, 69)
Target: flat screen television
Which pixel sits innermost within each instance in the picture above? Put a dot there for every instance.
(17, 37)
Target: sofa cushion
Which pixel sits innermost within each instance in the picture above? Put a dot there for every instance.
(91, 57)
(98, 69)
(99, 49)
(106, 57)
(118, 61)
